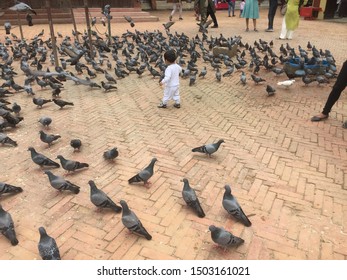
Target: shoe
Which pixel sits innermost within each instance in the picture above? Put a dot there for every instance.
(269, 30)
(233, 15)
(229, 16)
(214, 26)
(319, 118)
(177, 106)
(180, 18)
(161, 105)
(255, 30)
(281, 38)
(344, 125)
(170, 18)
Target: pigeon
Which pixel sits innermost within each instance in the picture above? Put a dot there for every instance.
(10, 189)
(270, 90)
(231, 205)
(203, 72)
(286, 83)
(45, 121)
(144, 175)
(7, 226)
(48, 138)
(16, 108)
(208, 149)
(107, 86)
(62, 103)
(40, 101)
(191, 199)
(29, 19)
(61, 184)
(168, 25)
(76, 144)
(130, 20)
(41, 159)
(224, 238)
(256, 79)
(100, 199)
(4, 139)
(243, 78)
(132, 222)
(71, 165)
(111, 154)
(307, 80)
(47, 246)
(22, 7)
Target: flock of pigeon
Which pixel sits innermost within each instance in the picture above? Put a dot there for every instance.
(138, 53)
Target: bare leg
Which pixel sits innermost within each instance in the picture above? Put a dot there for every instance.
(255, 24)
(247, 24)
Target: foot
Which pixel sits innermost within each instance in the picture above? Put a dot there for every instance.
(269, 30)
(319, 118)
(228, 15)
(281, 38)
(170, 18)
(233, 15)
(161, 105)
(214, 26)
(177, 106)
(180, 18)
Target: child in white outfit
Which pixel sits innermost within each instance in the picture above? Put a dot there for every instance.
(171, 80)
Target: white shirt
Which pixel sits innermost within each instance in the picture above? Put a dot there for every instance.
(172, 73)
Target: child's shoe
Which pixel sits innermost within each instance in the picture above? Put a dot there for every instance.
(177, 106)
(161, 105)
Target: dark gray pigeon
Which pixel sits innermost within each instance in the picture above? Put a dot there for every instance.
(45, 121)
(231, 205)
(48, 138)
(76, 144)
(191, 199)
(4, 139)
(111, 154)
(224, 238)
(47, 246)
(10, 189)
(41, 159)
(40, 101)
(100, 199)
(62, 103)
(132, 222)
(209, 149)
(60, 184)
(7, 226)
(71, 165)
(270, 90)
(144, 175)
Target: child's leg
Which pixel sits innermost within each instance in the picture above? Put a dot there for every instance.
(176, 95)
(167, 95)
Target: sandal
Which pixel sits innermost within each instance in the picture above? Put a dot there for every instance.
(319, 118)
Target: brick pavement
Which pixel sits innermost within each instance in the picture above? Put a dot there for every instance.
(288, 173)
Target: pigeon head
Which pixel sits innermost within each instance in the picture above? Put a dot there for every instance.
(31, 149)
(212, 228)
(184, 180)
(42, 231)
(60, 157)
(227, 189)
(124, 205)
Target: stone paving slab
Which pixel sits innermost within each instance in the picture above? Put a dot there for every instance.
(289, 174)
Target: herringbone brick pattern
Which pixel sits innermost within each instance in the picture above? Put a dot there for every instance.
(289, 174)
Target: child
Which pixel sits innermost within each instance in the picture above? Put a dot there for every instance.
(171, 80)
(242, 5)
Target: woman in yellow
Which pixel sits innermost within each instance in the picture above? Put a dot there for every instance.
(291, 18)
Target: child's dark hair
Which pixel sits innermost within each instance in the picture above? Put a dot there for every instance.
(170, 56)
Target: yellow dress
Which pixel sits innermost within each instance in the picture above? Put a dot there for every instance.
(292, 14)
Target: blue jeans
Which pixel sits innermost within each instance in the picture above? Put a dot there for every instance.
(231, 7)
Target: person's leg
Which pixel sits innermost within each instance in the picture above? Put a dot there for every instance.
(284, 29)
(229, 9)
(233, 8)
(213, 16)
(176, 96)
(290, 34)
(173, 11)
(255, 24)
(247, 24)
(180, 8)
(166, 97)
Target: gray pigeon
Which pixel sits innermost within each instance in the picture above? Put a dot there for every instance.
(224, 238)
(191, 199)
(47, 246)
(111, 154)
(40, 101)
(76, 144)
(231, 205)
(60, 184)
(209, 149)
(100, 199)
(45, 121)
(7, 226)
(132, 222)
(48, 138)
(22, 7)
(71, 165)
(7, 188)
(41, 159)
(270, 90)
(4, 139)
(144, 175)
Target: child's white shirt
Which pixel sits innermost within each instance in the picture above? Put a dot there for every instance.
(172, 75)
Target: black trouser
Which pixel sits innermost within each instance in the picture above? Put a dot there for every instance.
(272, 12)
(211, 13)
(338, 87)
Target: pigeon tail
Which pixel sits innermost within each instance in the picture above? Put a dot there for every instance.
(201, 149)
(6, 188)
(10, 234)
(197, 208)
(135, 179)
